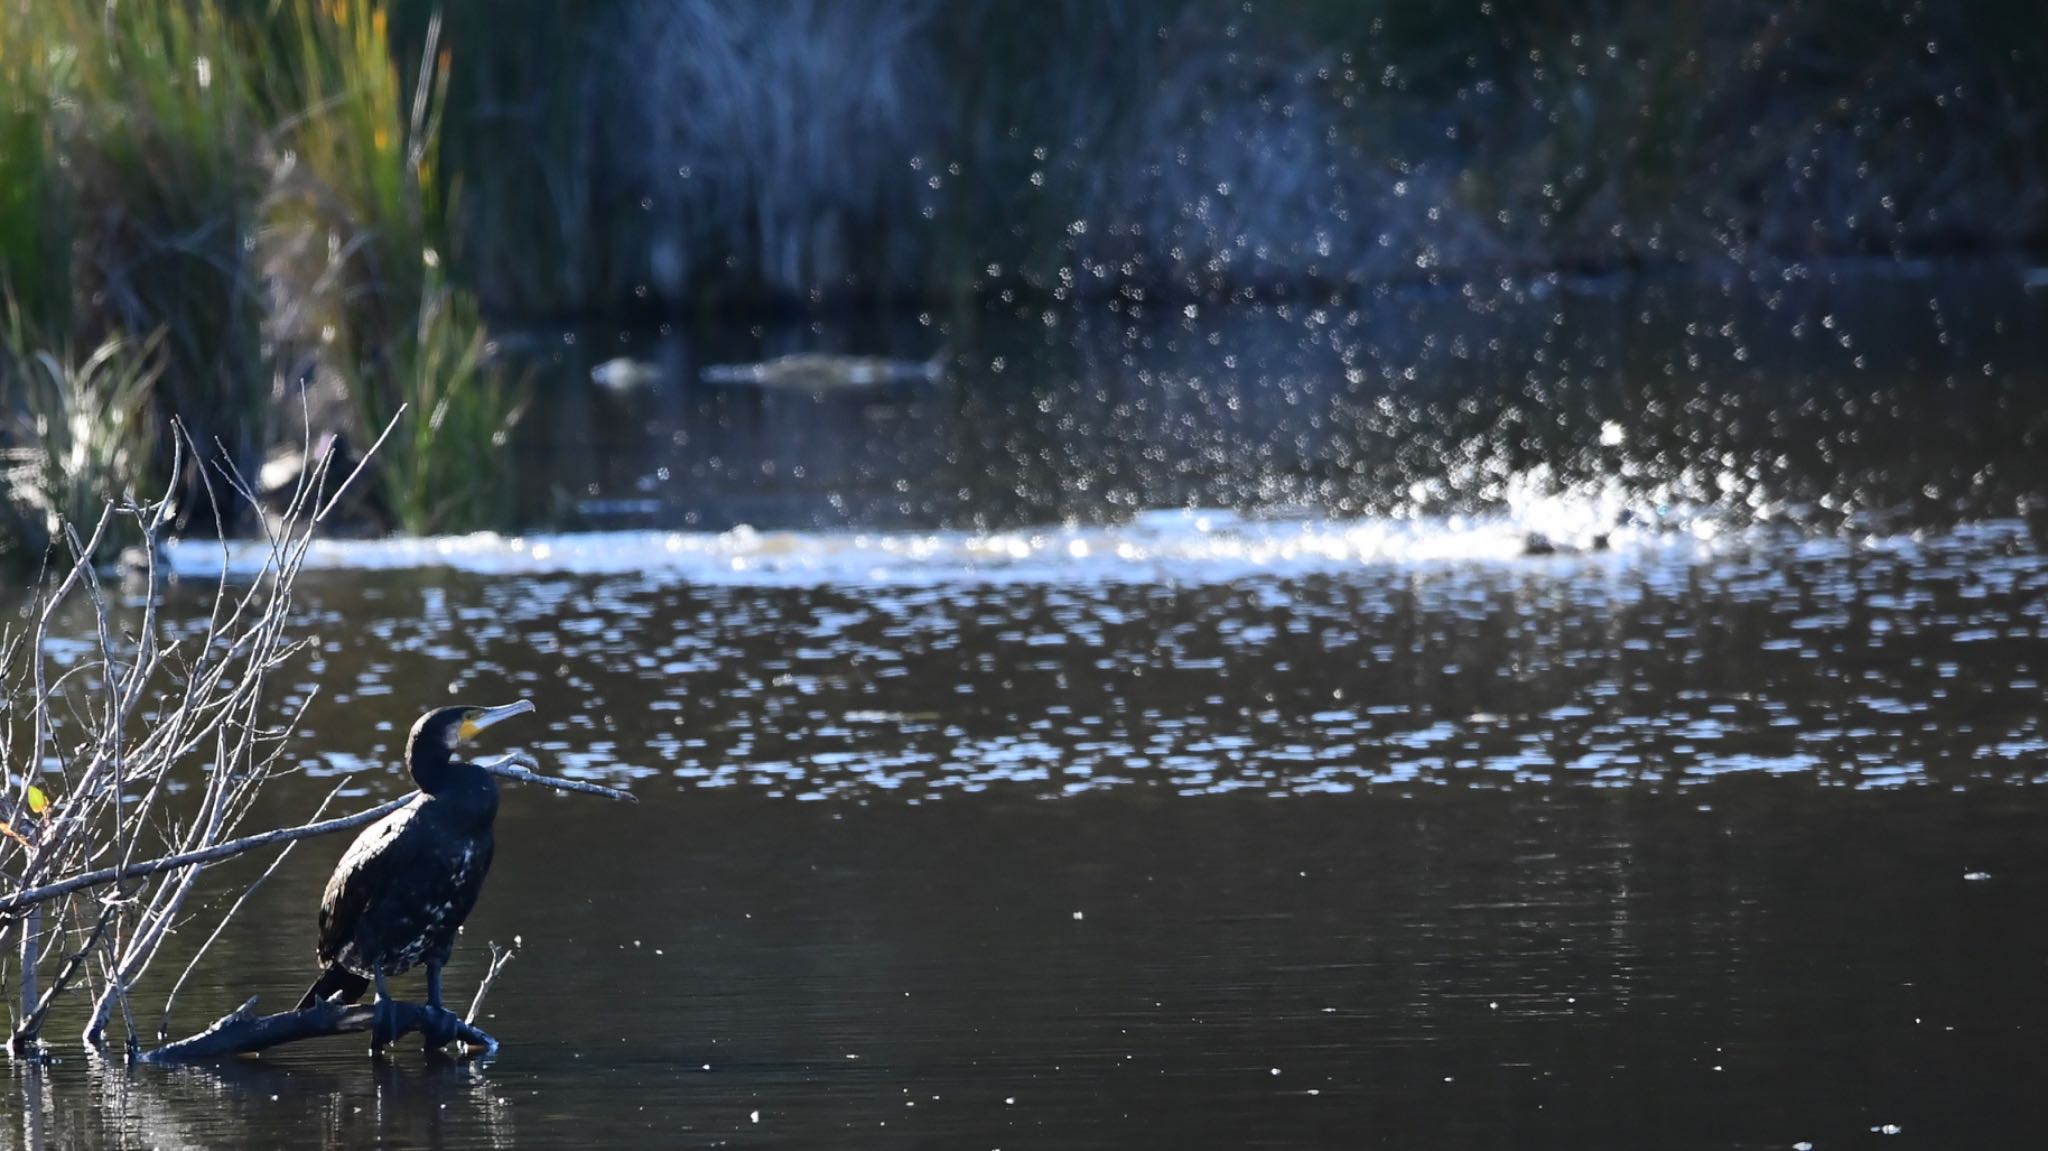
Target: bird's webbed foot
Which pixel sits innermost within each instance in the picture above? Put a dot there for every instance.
(438, 1028)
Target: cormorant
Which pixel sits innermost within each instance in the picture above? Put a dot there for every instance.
(410, 879)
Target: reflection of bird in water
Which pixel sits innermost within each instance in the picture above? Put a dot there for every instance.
(433, 1104)
(410, 879)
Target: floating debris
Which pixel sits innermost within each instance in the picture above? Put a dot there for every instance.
(821, 371)
(625, 374)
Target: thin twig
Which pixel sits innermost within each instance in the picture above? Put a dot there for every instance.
(321, 515)
(500, 956)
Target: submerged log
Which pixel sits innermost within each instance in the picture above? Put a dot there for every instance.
(242, 1032)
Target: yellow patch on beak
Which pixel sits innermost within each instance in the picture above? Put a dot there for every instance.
(479, 718)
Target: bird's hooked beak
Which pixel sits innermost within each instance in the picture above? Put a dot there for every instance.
(484, 717)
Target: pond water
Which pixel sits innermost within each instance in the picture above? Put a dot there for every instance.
(983, 806)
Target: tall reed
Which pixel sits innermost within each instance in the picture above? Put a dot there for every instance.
(530, 117)
(445, 468)
(162, 186)
(34, 257)
(360, 226)
(783, 148)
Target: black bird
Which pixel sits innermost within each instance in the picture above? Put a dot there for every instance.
(411, 878)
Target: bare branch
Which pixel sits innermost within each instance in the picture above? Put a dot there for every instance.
(519, 765)
(321, 515)
(31, 1027)
(214, 854)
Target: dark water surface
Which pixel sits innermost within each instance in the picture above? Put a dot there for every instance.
(1733, 835)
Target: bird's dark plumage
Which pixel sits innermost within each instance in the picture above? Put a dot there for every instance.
(409, 880)
(336, 980)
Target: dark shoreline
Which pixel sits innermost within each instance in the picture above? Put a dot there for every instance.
(852, 304)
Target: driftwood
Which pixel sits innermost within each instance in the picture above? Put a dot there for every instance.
(242, 1032)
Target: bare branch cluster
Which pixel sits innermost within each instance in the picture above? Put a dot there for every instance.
(133, 759)
(132, 762)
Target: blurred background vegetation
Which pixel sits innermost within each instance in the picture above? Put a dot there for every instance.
(222, 198)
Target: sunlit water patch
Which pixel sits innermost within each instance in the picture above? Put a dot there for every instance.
(1191, 545)
(1205, 653)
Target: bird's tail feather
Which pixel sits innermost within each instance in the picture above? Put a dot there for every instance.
(336, 979)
